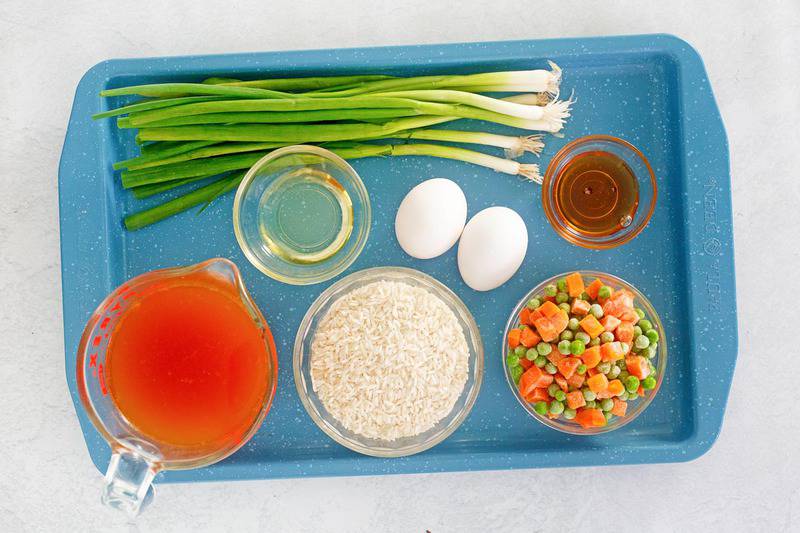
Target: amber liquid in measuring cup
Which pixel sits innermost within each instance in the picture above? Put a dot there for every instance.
(185, 364)
(597, 193)
(176, 369)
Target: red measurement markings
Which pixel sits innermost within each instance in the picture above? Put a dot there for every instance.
(93, 360)
(101, 378)
(105, 322)
(96, 340)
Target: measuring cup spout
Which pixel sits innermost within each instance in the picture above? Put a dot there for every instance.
(129, 482)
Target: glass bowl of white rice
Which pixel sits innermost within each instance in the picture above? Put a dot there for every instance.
(388, 361)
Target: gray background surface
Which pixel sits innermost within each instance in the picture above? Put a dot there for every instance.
(747, 482)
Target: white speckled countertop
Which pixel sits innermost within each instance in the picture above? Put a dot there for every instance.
(747, 482)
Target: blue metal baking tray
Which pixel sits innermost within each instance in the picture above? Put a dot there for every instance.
(651, 90)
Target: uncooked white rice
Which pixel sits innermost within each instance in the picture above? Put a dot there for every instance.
(389, 360)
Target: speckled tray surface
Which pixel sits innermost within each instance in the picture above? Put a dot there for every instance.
(650, 90)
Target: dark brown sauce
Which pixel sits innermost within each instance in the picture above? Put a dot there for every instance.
(597, 193)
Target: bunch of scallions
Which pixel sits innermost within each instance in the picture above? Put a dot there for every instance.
(212, 132)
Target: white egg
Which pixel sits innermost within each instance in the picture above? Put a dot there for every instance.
(492, 248)
(430, 218)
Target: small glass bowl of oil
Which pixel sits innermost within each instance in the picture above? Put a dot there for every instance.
(599, 192)
(301, 215)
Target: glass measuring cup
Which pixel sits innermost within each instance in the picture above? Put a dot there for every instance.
(138, 454)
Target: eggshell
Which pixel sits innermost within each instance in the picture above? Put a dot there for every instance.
(492, 248)
(430, 218)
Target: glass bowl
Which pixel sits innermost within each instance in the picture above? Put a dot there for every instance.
(634, 408)
(301, 215)
(406, 445)
(633, 159)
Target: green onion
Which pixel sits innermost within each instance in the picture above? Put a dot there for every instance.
(297, 84)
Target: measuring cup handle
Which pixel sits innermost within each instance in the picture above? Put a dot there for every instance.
(128, 482)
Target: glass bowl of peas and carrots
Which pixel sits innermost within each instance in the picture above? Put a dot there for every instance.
(584, 352)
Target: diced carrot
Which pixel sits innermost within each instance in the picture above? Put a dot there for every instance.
(575, 399)
(576, 380)
(513, 338)
(560, 320)
(533, 378)
(624, 332)
(525, 317)
(603, 394)
(610, 322)
(611, 351)
(592, 372)
(525, 363)
(549, 309)
(529, 338)
(588, 418)
(615, 387)
(568, 365)
(575, 284)
(597, 383)
(594, 288)
(546, 329)
(628, 314)
(620, 407)
(537, 395)
(580, 307)
(555, 356)
(623, 298)
(534, 315)
(637, 366)
(640, 391)
(561, 382)
(552, 416)
(591, 356)
(591, 326)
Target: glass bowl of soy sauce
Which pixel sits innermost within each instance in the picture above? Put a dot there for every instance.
(599, 192)
(301, 215)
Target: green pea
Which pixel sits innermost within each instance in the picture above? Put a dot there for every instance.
(560, 395)
(591, 404)
(522, 327)
(550, 368)
(531, 354)
(569, 414)
(639, 312)
(588, 394)
(516, 372)
(540, 408)
(563, 347)
(623, 395)
(564, 307)
(561, 285)
(645, 325)
(606, 404)
(534, 303)
(623, 375)
(583, 336)
(609, 415)
(595, 342)
(550, 290)
(637, 331)
(544, 348)
(649, 383)
(641, 342)
(604, 367)
(625, 347)
(581, 369)
(562, 297)
(604, 292)
(566, 335)
(540, 361)
(577, 347)
(631, 384)
(519, 351)
(652, 335)
(556, 407)
(596, 310)
(613, 372)
(606, 336)
(651, 351)
(573, 324)
(584, 296)
(621, 363)
(552, 388)
(512, 360)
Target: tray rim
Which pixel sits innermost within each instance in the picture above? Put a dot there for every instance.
(714, 244)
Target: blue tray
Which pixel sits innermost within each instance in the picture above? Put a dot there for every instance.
(651, 90)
